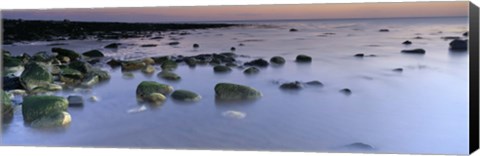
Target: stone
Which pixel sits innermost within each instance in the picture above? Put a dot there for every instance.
(75, 101)
(221, 69)
(114, 63)
(58, 119)
(398, 70)
(407, 42)
(36, 107)
(148, 45)
(10, 83)
(7, 106)
(359, 55)
(251, 70)
(173, 43)
(277, 60)
(35, 75)
(258, 63)
(314, 83)
(168, 75)
(233, 49)
(293, 30)
(155, 98)
(191, 62)
(113, 45)
(346, 91)
(196, 45)
(414, 51)
(383, 30)
(230, 91)
(169, 65)
(81, 66)
(149, 69)
(149, 61)
(303, 58)
(292, 85)
(72, 55)
(93, 53)
(132, 65)
(185, 95)
(146, 88)
(459, 44)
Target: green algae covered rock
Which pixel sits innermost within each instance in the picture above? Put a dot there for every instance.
(185, 95)
(230, 91)
(35, 75)
(58, 119)
(145, 88)
(36, 107)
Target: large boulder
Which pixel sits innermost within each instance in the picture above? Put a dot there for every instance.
(36, 107)
(277, 60)
(258, 63)
(458, 44)
(58, 119)
(168, 75)
(303, 58)
(145, 88)
(414, 51)
(72, 55)
(7, 106)
(230, 91)
(35, 75)
(185, 95)
(93, 53)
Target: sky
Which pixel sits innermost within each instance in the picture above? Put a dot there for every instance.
(247, 12)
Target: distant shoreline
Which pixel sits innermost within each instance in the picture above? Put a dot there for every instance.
(17, 30)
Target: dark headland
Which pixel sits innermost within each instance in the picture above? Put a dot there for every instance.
(16, 30)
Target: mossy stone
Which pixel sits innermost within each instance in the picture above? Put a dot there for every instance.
(36, 107)
(185, 95)
(146, 88)
(230, 91)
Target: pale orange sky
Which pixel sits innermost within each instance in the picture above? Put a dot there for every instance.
(251, 12)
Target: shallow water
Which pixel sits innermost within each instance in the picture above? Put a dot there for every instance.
(424, 109)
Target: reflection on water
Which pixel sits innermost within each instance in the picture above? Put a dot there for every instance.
(422, 109)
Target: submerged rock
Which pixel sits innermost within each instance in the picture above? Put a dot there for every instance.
(314, 83)
(346, 91)
(234, 114)
(398, 70)
(75, 101)
(113, 45)
(114, 63)
(251, 70)
(36, 107)
(383, 30)
(359, 55)
(303, 58)
(7, 106)
(174, 43)
(185, 95)
(277, 60)
(459, 44)
(168, 75)
(221, 69)
(407, 42)
(58, 119)
(258, 63)
(145, 88)
(230, 91)
(359, 146)
(414, 51)
(191, 62)
(35, 75)
(93, 53)
(292, 85)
